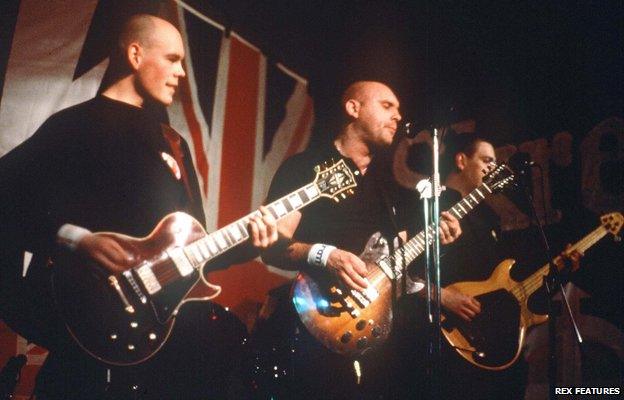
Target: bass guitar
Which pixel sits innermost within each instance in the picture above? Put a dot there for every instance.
(351, 322)
(494, 338)
(125, 318)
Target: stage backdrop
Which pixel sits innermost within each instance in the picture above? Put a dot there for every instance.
(241, 114)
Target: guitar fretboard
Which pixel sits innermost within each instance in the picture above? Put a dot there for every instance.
(527, 287)
(218, 242)
(413, 248)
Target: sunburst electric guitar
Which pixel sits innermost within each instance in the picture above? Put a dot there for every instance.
(125, 318)
(351, 322)
(494, 338)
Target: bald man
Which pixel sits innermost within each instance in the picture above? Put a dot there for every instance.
(340, 231)
(108, 164)
(371, 115)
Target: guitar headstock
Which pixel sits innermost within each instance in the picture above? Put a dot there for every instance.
(334, 179)
(499, 178)
(612, 222)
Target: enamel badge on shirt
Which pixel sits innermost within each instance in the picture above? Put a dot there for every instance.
(173, 165)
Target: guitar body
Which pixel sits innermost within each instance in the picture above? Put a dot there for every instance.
(339, 319)
(350, 322)
(494, 338)
(125, 318)
(124, 324)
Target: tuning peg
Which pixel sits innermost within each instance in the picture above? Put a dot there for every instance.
(336, 199)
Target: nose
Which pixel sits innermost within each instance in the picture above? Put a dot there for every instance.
(180, 71)
(397, 117)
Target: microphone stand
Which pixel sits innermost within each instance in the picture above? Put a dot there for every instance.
(427, 191)
(552, 281)
(437, 325)
(424, 188)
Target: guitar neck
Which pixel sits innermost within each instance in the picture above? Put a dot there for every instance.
(230, 236)
(534, 282)
(413, 248)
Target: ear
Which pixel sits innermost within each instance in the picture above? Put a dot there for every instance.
(134, 54)
(460, 161)
(352, 108)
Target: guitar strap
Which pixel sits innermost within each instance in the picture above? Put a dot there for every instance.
(174, 140)
(407, 282)
(389, 207)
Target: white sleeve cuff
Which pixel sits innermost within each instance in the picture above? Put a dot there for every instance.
(69, 235)
(319, 253)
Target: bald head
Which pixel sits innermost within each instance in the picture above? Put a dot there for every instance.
(363, 91)
(371, 111)
(141, 29)
(147, 63)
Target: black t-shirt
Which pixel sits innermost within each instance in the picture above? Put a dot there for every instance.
(98, 165)
(349, 223)
(477, 251)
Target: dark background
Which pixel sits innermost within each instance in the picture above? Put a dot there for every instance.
(523, 69)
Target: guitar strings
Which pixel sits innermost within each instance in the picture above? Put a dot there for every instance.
(535, 281)
(524, 289)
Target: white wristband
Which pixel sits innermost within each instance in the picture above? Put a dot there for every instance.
(69, 235)
(319, 253)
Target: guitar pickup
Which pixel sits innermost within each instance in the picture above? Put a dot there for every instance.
(181, 261)
(366, 297)
(149, 280)
(371, 293)
(360, 298)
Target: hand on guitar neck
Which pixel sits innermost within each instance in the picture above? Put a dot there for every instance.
(569, 260)
(112, 254)
(450, 229)
(467, 307)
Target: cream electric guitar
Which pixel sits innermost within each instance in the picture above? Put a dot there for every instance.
(494, 338)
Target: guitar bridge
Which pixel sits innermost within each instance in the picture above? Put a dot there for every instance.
(115, 284)
(135, 286)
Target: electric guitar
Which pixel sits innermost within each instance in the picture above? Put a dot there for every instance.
(351, 322)
(125, 318)
(494, 338)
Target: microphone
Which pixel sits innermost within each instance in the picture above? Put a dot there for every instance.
(408, 129)
(520, 162)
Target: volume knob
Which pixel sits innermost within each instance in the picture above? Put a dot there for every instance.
(346, 337)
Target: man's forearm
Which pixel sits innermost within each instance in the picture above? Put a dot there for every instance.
(288, 255)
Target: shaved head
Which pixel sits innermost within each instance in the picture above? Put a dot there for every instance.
(362, 91)
(147, 62)
(140, 29)
(371, 112)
